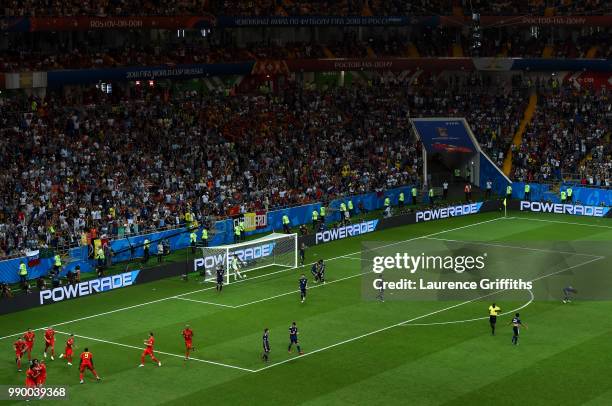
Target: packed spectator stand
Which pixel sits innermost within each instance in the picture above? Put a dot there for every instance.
(299, 7)
(51, 54)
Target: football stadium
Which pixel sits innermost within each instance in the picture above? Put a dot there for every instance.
(306, 202)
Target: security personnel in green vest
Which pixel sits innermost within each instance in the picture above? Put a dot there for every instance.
(57, 263)
(414, 195)
(322, 214)
(431, 195)
(342, 211)
(508, 192)
(527, 192)
(400, 200)
(193, 240)
(387, 202)
(100, 257)
(286, 224)
(23, 273)
(242, 230)
(570, 192)
(237, 233)
(315, 219)
(204, 237)
(351, 208)
(146, 245)
(563, 196)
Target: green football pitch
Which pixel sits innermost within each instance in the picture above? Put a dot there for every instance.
(356, 350)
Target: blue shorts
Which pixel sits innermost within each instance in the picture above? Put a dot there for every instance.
(293, 339)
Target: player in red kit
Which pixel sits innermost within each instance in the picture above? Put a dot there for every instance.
(50, 342)
(68, 351)
(188, 336)
(42, 373)
(20, 348)
(149, 351)
(29, 339)
(32, 375)
(87, 362)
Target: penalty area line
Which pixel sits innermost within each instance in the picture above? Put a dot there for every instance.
(244, 280)
(405, 322)
(440, 323)
(159, 352)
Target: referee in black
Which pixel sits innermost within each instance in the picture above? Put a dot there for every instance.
(266, 345)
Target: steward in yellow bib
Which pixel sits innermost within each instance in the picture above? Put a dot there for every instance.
(193, 240)
(237, 233)
(204, 237)
(23, 273)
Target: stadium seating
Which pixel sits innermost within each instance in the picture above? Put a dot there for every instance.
(569, 136)
(296, 7)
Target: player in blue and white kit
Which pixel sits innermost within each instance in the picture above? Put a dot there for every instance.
(293, 338)
(220, 272)
(266, 345)
(321, 271)
(303, 283)
(568, 294)
(516, 324)
(314, 270)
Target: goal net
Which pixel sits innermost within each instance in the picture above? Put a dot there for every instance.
(274, 250)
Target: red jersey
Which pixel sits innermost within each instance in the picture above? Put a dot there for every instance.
(29, 337)
(69, 343)
(187, 334)
(149, 343)
(42, 374)
(86, 358)
(20, 346)
(50, 335)
(31, 377)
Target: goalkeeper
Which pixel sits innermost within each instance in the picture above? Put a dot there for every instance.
(568, 294)
(236, 268)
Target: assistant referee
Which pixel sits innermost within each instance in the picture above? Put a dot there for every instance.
(493, 313)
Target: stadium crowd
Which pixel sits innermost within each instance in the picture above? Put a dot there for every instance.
(104, 162)
(298, 7)
(155, 158)
(52, 54)
(569, 136)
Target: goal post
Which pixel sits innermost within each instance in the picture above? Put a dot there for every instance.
(274, 250)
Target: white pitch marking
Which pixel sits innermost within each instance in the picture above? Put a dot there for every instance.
(514, 247)
(561, 222)
(474, 319)
(160, 352)
(243, 280)
(416, 318)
